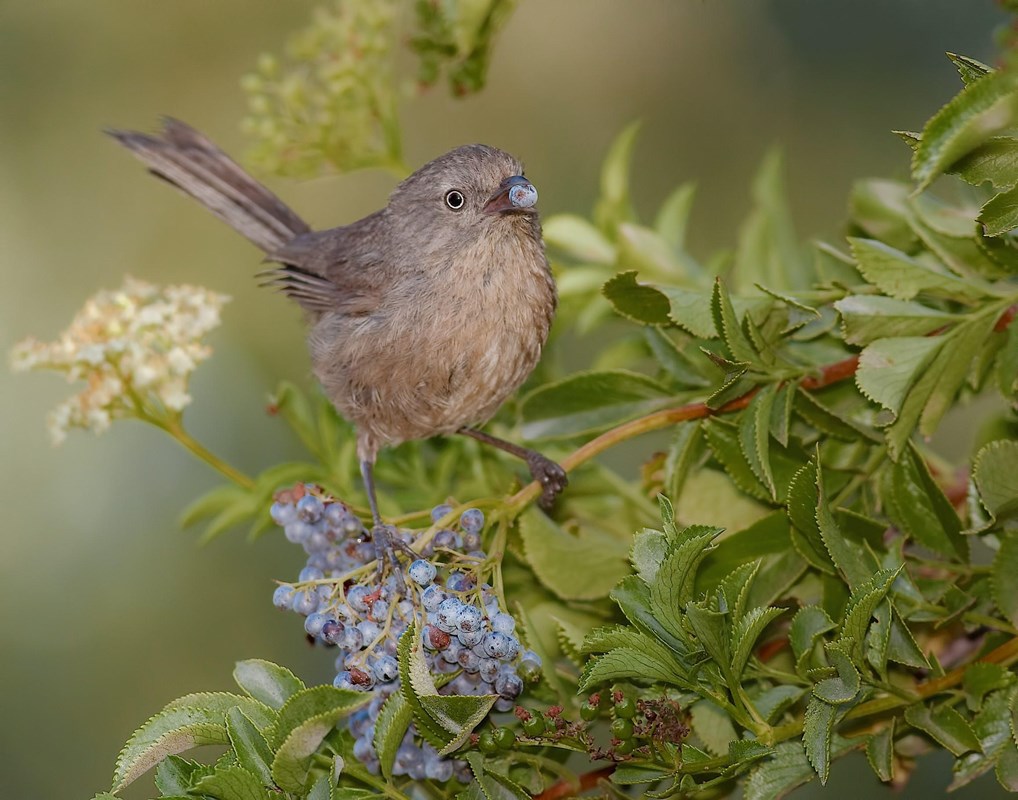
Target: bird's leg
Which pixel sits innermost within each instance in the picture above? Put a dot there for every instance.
(542, 469)
(381, 534)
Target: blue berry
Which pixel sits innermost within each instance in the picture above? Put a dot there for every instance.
(422, 572)
(283, 596)
(447, 614)
(470, 638)
(470, 619)
(438, 768)
(386, 669)
(472, 520)
(496, 645)
(509, 685)
(310, 574)
(459, 582)
(335, 514)
(310, 508)
(369, 631)
(503, 623)
(342, 681)
(440, 511)
(356, 597)
(305, 601)
(333, 631)
(298, 531)
(363, 749)
(472, 543)
(447, 539)
(282, 513)
(468, 659)
(314, 623)
(488, 669)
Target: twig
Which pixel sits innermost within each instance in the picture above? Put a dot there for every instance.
(567, 788)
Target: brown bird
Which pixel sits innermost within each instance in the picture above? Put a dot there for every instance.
(423, 316)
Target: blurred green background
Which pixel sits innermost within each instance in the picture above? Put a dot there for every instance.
(108, 610)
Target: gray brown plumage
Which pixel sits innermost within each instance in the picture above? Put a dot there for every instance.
(424, 316)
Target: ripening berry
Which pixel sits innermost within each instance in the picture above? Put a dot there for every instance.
(440, 511)
(535, 726)
(283, 596)
(486, 742)
(504, 738)
(422, 572)
(310, 508)
(625, 709)
(622, 728)
(342, 681)
(588, 713)
(472, 520)
(333, 631)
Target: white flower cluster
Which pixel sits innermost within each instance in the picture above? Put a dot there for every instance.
(134, 348)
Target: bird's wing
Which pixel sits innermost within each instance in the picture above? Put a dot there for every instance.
(331, 270)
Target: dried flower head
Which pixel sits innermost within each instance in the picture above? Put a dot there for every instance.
(134, 348)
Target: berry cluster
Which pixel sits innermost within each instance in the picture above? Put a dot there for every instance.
(346, 606)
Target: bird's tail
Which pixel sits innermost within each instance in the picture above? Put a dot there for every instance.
(197, 167)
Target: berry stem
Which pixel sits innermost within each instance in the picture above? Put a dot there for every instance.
(175, 428)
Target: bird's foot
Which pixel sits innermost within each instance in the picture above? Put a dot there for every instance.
(551, 477)
(387, 544)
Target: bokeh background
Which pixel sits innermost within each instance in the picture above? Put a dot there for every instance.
(107, 609)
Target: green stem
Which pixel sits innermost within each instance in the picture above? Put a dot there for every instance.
(175, 428)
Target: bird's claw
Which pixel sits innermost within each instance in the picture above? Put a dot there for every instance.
(550, 475)
(386, 546)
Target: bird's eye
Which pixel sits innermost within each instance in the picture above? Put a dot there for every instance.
(454, 199)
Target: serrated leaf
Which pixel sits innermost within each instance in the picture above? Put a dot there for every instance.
(252, 750)
(723, 440)
(889, 368)
(754, 436)
(304, 721)
(995, 161)
(390, 727)
(734, 588)
(176, 775)
(903, 277)
(577, 238)
(802, 504)
(945, 725)
(674, 583)
(727, 322)
(1007, 767)
(969, 69)
(826, 420)
(266, 682)
(713, 725)
(866, 318)
(1004, 578)
(548, 548)
(646, 250)
(981, 678)
(880, 209)
(414, 677)
(633, 596)
(773, 702)
(916, 505)
(861, 606)
(851, 556)
(817, 733)
(493, 785)
(992, 727)
(880, 752)
(712, 632)
(637, 301)
(626, 663)
(232, 783)
(634, 774)
(681, 368)
(587, 402)
(746, 632)
(649, 550)
(993, 472)
(983, 107)
(787, 769)
(843, 688)
(188, 722)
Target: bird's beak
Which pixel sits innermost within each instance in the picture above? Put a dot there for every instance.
(515, 194)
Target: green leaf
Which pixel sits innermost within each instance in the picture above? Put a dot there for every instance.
(614, 204)
(637, 301)
(212, 504)
(176, 775)
(674, 583)
(1004, 578)
(727, 322)
(577, 238)
(981, 678)
(547, 547)
(775, 777)
(232, 783)
(880, 752)
(712, 632)
(866, 318)
(992, 726)
(188, 722)
(825, 419)
(817, 733)
(493, 785)
(587, 402)
(713, 725)
(413, 672)
(983, 107)
(889, 368)
(995, 161)
(723, 440)
(266, 682)
(773, 702)
(633, 597)
(672, 218)
(681, 368)
(685, 451)
(880, 209)
(304, 721)
(970, 69)
(252, 750)
(945, 725)
(754, 436)
(646, 250)
(850, 554)
(627, 663)
(1007, 767)
(390, 727)
(843, 688)
(917, 505)
(802, 504)
(861, 606)
(993, 472)
(903, 277)
(745, 634)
